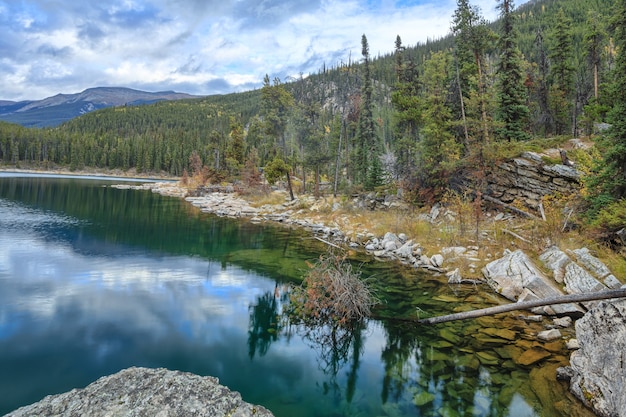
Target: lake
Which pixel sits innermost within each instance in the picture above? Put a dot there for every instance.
(94, 279)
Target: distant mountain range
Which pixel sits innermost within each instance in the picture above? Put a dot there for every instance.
(55, 110)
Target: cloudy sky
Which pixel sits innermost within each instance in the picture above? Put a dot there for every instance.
(198, 46)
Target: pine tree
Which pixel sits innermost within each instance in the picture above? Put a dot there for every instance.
(513, 111)
(613, 174)
(276, 103)
(472, 39)
(367, 142)
(561, 73)
(543, 120)
(438, 151)
(408, 112)
(594, 39)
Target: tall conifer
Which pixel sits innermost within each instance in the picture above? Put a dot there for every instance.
(367, 146)
(613, 178)
(513, 111)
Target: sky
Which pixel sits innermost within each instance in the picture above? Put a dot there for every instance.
(200, 47)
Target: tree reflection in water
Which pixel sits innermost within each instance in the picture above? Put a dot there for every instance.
(267, 321)
(458, 369)
(334, 343)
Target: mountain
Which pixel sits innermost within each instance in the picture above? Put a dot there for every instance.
(55, 110)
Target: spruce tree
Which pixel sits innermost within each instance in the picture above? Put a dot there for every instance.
(438, 151)
(472, 38)
(513, 111)
(561, 73)
(367, 142)
(613, 174)
(408, 112)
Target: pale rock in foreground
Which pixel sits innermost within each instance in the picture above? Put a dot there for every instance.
(597, 372)
(146, 392)
(517, 278)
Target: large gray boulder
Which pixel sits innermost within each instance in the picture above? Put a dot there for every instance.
(598, 368)
(138, 392)
(516, 277)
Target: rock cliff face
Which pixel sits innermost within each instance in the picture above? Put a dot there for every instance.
(598, 369)
(146, 392)
(528, 178)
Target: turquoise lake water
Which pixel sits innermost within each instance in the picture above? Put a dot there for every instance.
(95, 279)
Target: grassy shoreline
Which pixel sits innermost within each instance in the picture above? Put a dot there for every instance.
(490, 229)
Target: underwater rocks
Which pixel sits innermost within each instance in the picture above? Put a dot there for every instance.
(146, 392)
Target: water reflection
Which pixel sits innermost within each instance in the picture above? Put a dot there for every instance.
(93, 280)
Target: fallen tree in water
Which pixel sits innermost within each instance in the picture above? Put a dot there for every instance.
(526, 305)
(331, 292)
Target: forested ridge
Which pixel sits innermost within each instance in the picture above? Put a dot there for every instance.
(423, 118)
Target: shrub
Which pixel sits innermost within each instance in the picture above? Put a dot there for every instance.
(612, 216)
(332, 292)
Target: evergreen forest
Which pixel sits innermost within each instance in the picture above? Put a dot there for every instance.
(423, 119)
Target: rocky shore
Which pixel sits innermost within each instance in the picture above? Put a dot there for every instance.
(597, 373)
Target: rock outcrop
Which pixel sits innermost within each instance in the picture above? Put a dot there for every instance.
(516, 277)
(597, 373)
(146, 392)
(528, 178)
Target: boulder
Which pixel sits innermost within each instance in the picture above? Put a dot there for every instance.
(556, 260)
(597, 372)
(146, 392)
(562, 322)
(548, 335)
(436, 260)
(596, 267)
(579, 281)
(391, 242)
(454, 277)
(515, 274)
(405, 251)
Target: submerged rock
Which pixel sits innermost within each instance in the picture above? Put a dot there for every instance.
(532, 356)
(146, 392)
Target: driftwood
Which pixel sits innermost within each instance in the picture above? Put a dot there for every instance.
(525, 305)
(515, 235)
(510, 207)
(328, 243)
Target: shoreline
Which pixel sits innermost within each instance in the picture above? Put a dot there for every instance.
(105, 174)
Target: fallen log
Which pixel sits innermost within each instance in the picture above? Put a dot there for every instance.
(510, 207)
(525, 305)
(515, 235)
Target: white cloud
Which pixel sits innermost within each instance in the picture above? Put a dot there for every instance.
(194, 43)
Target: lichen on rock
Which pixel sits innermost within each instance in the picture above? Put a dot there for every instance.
(146, 392)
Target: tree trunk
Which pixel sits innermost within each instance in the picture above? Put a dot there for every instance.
(341, 133)
(595, 81)
(481, 91)
(465, 133)
(317, 182)
(525, 305)
(289, 186)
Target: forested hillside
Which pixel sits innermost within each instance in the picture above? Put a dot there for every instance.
(424, 118)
